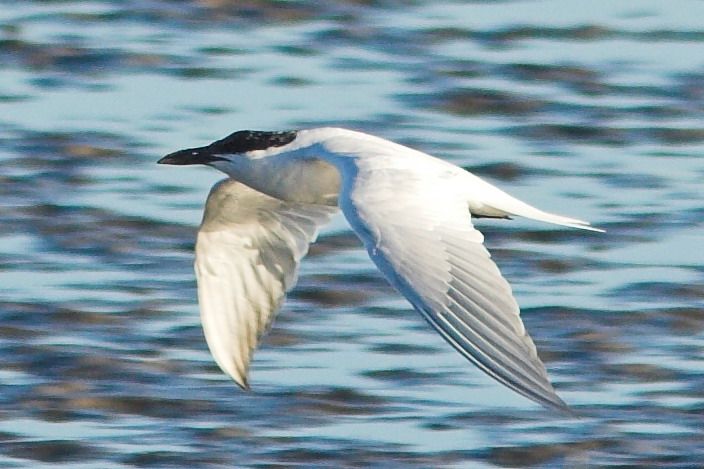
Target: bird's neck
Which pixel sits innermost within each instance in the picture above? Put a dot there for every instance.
(293, 178)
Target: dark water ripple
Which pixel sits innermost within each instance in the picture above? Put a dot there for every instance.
(593, 111)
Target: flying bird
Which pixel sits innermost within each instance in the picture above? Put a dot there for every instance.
(413, 213)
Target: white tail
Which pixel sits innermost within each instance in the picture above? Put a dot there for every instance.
(489, 200)
(533, 213)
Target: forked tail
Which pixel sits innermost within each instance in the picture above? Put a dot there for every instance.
(537, 214)
(493, 202)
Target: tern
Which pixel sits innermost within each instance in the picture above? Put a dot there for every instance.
(413, 213)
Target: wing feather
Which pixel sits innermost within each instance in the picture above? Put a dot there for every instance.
(247, 253)
(418, 231)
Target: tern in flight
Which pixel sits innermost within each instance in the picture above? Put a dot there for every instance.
(412, 212)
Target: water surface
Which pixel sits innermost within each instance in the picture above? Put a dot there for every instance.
(592, 109)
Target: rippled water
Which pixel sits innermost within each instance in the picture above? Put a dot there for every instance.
(592, 109)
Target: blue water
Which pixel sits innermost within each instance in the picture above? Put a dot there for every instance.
(591, 109)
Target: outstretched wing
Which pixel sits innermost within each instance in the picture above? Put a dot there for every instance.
(247, 254)
(417, 229)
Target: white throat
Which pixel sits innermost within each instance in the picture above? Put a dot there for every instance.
(296, 175)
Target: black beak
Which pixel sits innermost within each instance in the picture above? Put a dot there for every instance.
(200, 155)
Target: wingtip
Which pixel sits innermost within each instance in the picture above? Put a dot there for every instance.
(560, 407)
(243, 383)
(554, 403)
(240, 377)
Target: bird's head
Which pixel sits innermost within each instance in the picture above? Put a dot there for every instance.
(227, 149)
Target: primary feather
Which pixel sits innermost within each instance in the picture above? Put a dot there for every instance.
(247, 253)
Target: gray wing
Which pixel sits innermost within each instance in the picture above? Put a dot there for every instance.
(421, 237)
(247, 254)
